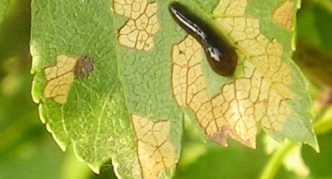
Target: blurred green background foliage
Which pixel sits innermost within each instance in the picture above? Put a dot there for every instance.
(28, 151)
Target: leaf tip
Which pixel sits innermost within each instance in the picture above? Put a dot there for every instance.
(314, 144)
(95, 169)
(93, 165)
(61, 144)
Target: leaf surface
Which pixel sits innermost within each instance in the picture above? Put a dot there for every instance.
(267, 90)
(99, 93)
(111, 80)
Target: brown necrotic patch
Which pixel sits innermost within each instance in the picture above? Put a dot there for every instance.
(60, 77)
(84, 67)
(284, 14)
(138, 32)
(155, 150)
(259, 94)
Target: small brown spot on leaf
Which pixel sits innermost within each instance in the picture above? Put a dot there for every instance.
(60, 77)
(84, 67)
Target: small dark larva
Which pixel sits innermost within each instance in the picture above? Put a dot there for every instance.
(83, 67)
(221, 56)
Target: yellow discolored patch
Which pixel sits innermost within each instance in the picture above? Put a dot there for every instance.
(59, 78)
(265, 55)
(259, 94)
(155, 150)
(186, 57)
(142, 25)
(284, 15)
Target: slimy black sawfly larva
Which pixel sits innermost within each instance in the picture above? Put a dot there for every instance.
(221, 55)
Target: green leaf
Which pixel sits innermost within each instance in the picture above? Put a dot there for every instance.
(267, 89)
(109, 79)
(125, 84)
(265, 41)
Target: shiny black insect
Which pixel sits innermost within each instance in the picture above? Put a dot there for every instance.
(221, 56)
